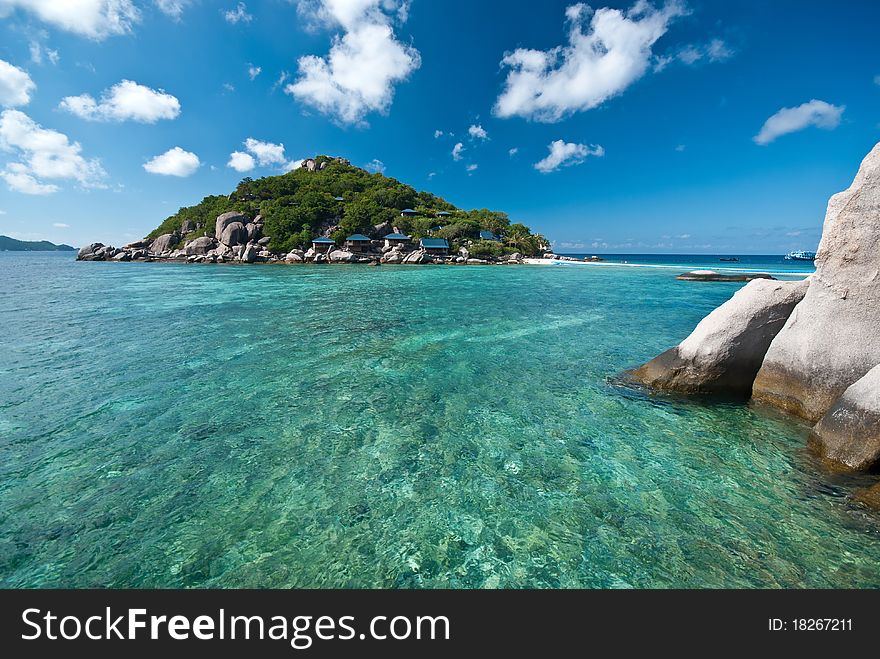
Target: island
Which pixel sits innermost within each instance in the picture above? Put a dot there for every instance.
(328, 211)
(8, 244)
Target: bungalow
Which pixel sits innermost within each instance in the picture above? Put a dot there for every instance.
(442, 214)
(323, 245)
(358, 242)
(488, 235)
(338, 198)
(395, 239)
(435, 246)
(408, 212)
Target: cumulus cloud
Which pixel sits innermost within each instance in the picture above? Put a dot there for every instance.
(254, 71)
(478, 132)
(95, 19)
(174, 162)
(241, 161)
(237, 15)
(600, 61)
(457, 151)
(359, 74)
(43, 154)
(256, 152)
(438, 134)
(790, 120)
(16, 85)
(124, 101)
(566, 154)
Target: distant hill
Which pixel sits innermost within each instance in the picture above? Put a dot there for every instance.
(327, 196)
(8, 244)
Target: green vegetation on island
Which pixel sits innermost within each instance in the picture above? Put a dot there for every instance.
(335, 199)
(8, 244)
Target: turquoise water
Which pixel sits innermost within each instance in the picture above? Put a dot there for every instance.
(195, 426)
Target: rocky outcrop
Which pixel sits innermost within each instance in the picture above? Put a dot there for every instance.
(199, 246)
(417, 257)
(725, 351)
(163, 243)
(226, 219)
(250, 254)
(88, 251)
(849, 434)
(233, 234)
(831, 341)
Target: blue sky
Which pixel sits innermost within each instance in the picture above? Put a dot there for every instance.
(621, 127)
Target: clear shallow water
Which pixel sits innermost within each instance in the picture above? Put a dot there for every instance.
(194, 426)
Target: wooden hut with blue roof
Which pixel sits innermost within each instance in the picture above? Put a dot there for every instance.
(323, 245)
(488, 235)
(358, 242)
(408, 212)
(397, 239)
(435, 246)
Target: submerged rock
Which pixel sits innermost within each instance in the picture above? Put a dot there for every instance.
(831, 341)
(725, 351)
(849, 433)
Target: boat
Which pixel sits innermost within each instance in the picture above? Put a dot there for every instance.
(731, 259)
(800, 256)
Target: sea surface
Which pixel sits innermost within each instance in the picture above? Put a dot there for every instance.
(165, 425)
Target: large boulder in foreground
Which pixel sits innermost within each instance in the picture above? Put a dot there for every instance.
(725, 351)
(226, 219)
(831, 340)
(849, 434)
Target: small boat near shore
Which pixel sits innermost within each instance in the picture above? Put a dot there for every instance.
(731, 259)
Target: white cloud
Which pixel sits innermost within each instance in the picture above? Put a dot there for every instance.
(438, 134)
(512, 152)
(228, 87)
(266, 152)
(43, 154)
(61, 225)
(174, 162)
(600, 61)
(95, 19)
(457, 150)
(284, 77)
(124, 101)
(172, 8)
(718, 51)
(238, 15)
(241, 161)
(376, 166)
(16, 85)
(254, 71)
(364, 63)
(38, 51)
(472, 168)
(790, 120)
(566, 154)
(256, 152)
(293, 164)
(715, 50)
(478, 132)
(2, 212)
